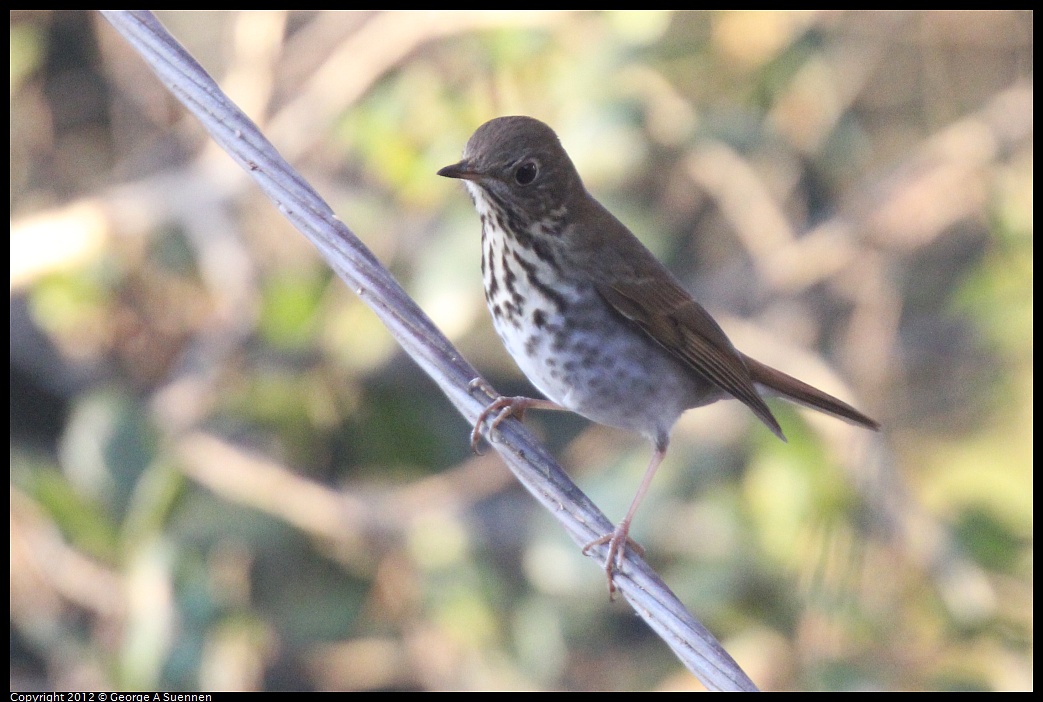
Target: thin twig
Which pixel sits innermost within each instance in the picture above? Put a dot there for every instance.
(418, 336)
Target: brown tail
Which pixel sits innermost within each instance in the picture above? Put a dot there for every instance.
(800, 392)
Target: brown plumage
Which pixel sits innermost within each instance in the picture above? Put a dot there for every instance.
(594, 320)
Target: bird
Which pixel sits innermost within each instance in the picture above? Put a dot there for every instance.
(592, 318)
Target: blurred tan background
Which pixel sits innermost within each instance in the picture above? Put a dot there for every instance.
(226, 476)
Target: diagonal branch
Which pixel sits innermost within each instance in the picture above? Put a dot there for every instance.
(418, 336)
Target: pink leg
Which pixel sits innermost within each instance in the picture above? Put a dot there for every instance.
(617, 540)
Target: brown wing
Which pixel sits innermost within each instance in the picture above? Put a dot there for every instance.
(669, 315)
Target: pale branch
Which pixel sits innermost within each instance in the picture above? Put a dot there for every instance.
(418, 336)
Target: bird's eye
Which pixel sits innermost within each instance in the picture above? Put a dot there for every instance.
(526, 173)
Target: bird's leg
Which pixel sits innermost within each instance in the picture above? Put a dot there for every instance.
(503, 407)
(617, 540)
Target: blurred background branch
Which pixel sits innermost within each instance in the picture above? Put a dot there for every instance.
(858, 185)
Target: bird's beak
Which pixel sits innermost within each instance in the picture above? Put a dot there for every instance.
(463, 170)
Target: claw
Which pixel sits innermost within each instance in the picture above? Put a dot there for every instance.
(483, 384)
(617, 541)
(504, 407)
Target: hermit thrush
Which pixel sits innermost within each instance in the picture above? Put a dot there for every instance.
(599, 325)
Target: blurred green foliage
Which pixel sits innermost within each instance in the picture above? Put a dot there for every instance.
(224, 474)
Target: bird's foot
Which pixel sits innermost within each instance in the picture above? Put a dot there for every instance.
(502, 407)
(617, 541)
